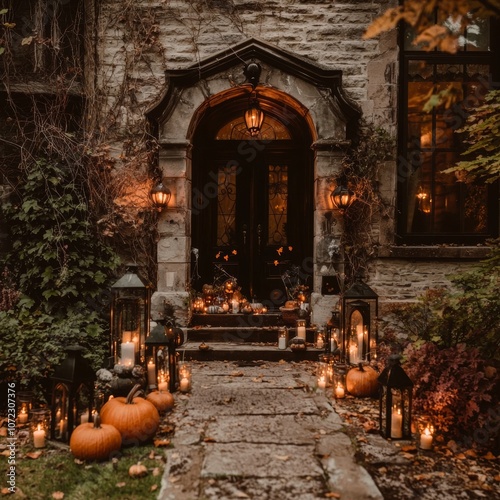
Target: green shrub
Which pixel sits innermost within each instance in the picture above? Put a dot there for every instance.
(59, 273)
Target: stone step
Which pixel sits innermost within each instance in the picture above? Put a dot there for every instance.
(242, 334)
(245, 351)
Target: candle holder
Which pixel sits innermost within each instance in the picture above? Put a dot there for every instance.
(184, 376)
(322, 375)
(300, 326)
(40, 427)
(24, 406)
(425, 430)
(283, 338)
(339, 380)
(329, 360)
(163, 380)
(320, 340)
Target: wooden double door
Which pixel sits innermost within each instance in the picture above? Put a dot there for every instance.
(252, 212)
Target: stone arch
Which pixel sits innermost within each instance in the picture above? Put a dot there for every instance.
(287, 84)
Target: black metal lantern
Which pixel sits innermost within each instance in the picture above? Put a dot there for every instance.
(359, 328)
(254, 117)
(161, 344)
(332, 340)
(160, 196)
(72, 394)
(130, 312)
(342, 197)
(395, 401)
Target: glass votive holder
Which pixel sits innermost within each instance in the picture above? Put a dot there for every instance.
(184, 377)
(339, 380)
(425, 431)
(322, 375)
(283, 338)
(24, 401)
(40, 426)
(329, 360)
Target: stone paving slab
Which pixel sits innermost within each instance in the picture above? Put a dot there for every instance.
(259, 460)
(236, 400)
(278, 429)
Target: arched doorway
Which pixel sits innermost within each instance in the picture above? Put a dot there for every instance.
(252, 197)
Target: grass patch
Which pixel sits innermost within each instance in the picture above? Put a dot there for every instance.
(56, 470)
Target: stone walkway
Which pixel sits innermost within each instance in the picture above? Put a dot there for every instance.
(260, 432)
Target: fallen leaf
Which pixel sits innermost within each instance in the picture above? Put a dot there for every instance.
(154, 487)
(489, 456)
(34, 455)
(121, 485)
(174, 479)
(497, 478)
(209, 439)
(58, 495)
(240, 494)
(382, 470)
(161, 442)
(6, 491)
(5, 453)
(3, 431)
(409, 448)
(470, 454)
(156, 471)
(331, 494)
(461, 456)
(78, 461)
(152, 453)
(282, 457)
(256, 379)
(237, 374)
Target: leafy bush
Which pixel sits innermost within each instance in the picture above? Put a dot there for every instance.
(59, 273)
(455, 387)
(469, 314)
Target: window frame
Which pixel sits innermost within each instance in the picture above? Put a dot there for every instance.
(490, 58)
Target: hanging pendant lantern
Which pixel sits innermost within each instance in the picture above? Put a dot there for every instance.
(254, 117)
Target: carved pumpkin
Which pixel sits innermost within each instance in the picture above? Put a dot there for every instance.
(362, 381)
(163, 400)
(95, 441)
(136, 418)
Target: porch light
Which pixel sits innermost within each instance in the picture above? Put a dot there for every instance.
(254, 117)
(160, 196)
(342, 197)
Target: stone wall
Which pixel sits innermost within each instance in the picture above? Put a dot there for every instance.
(138, 41)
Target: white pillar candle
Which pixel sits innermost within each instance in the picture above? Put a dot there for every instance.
(282, 343)
(426, 439)
(321, 382)
(23, 417)
(301, 332)
(63, 425)
(184, 385)
(396, 424)
(235, 306)
(359, 331)
(84, 417)
(319, 342)
(128, 353)
(339, 391)
(151, 374)
(39, 438)
(163, 386)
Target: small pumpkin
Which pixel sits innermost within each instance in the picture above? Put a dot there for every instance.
(362, 381)
(136, 418)
(95, 441)
(297, 344)
(163, 400)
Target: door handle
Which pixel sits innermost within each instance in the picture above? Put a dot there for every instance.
(259, 234)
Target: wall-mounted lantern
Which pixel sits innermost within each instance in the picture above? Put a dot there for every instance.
(254, 116)
(359, 328)
(72, 394)
(129, 318)
(342, 197)
(160, 196)
(395, 401)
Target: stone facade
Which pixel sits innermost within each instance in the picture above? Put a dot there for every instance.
(137, 43)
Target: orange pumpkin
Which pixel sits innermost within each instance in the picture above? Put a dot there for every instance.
(163, 400)
(136, 418)
(362, 381)
(95, 441)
